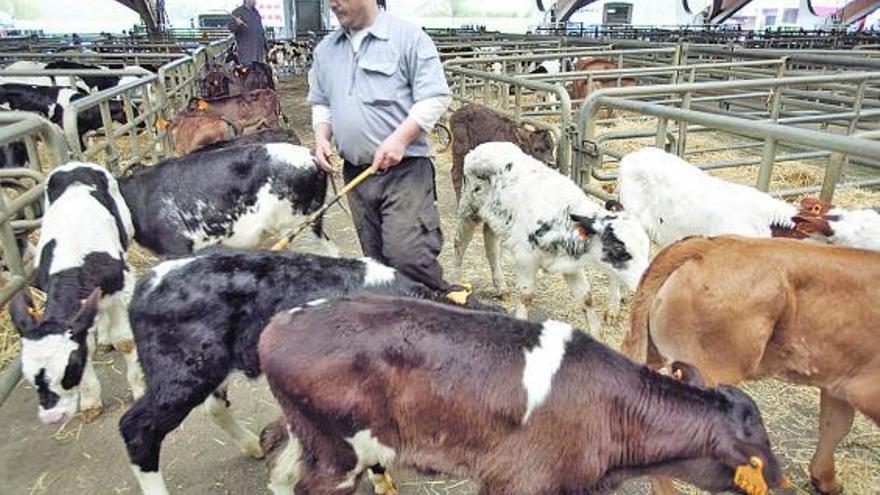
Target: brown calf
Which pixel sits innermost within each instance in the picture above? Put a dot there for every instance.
(743, 309)
(579, 89)
(216, 82)
(193, 130)
(247, 112)
(520, 407)
(473, 125)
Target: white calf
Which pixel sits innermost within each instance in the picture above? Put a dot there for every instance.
(547, 223)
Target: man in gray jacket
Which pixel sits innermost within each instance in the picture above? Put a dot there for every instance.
(377, 86)
(247, 25)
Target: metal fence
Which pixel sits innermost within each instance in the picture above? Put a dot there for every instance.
(815, 132)
(813, 93)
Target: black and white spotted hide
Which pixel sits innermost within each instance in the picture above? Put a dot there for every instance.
(81, 251)
(548, 223)
(235, 197)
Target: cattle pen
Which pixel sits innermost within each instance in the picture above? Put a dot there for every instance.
(759, 117)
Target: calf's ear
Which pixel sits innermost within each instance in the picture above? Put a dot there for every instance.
(583, 226)
(86, 315)
(22, 312)
(687, 373)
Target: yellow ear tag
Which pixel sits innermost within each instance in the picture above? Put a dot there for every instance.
(161, 123)
(35, 313)
(750, 478)
(202, 105)
(460, 297)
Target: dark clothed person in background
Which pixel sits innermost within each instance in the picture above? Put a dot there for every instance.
(247, 25)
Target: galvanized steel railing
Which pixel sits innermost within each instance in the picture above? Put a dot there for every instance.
(770, 131)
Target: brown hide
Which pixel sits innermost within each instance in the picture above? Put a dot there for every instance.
(247, 112)
(193, 130)
(579, 88)
(743, 309)
(216, 82)
(473, 125)
(444, 388)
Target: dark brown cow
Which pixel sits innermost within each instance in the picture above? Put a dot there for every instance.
(744, 309)
(252, 77)
(193, 130)
(520, 407)
(247, 112)
(473, 125)
(216, 82)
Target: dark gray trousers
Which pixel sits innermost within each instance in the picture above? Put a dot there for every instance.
(395, 216)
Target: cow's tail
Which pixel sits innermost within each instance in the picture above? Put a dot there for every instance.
(638, 345)
(321, 182)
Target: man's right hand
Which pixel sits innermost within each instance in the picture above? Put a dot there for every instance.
(323, 152)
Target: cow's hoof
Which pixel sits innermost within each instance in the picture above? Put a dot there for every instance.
(504, 295)
(383, 484)
(91, 414)
(611, 316)
(832, 487)
(105, 347)
(124, 346)
(588, 300)
(251, 447)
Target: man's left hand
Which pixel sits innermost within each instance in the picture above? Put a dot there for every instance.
(390, 153)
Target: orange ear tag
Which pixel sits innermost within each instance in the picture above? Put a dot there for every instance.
(202, 105)
(750, 478)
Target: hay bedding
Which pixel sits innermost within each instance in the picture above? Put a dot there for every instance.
(790, 412)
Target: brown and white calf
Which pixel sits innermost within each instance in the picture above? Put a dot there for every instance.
(520, 407)
(547, 223)
(473, 125)
(744, 309)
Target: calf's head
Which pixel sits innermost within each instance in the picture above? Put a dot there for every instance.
(53, 355)
(216, 83)
(742, 458)
(537, 142)
(622, 241)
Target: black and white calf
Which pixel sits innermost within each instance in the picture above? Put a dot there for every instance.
(197, 319)
(52, 102)
(83, 239)
(87, 84)
(546, 222)
(234, 197)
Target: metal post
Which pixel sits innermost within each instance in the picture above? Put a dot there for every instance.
(766, 168)
(290, 19)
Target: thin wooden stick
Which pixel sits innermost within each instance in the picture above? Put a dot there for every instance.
(285, 241)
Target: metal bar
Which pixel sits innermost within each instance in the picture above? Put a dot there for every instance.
(831, 142)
